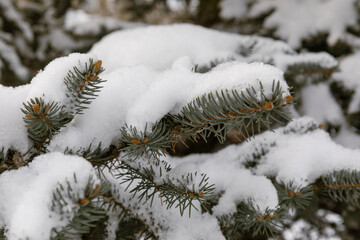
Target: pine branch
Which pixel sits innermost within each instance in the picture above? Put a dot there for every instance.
(304, 73)
(172, 191)
(249, 219)
(98, 157)
(291, 196)
(43, 120)
(83, 86)
(342, 186)
(130, 225)
(221, 112)
(151, 145)
(88, 212)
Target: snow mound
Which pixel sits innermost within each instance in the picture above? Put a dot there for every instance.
(26, 194)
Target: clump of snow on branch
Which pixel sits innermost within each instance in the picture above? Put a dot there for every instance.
(26, 194)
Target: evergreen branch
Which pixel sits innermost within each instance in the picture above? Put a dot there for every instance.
(151, 145)
(212, 64)
(130, 225)
(292, 196)
(43, 120)
(83, 86)
(342, 186)
(10, 160)
(304, 73)
(249, 219)
(179, 192)
(88, 210)
(98, 157)
(221, 112)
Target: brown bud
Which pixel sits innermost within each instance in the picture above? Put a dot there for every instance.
(267, 217)
(36, 108)
(201, 194)
(135, 141)
(191, 195)
(95, 191)
(97, 66)
(145, 140)
(322, 125)
(84, 201)
(93, 78)
(29, 116)
(268, 105)
(288, 99)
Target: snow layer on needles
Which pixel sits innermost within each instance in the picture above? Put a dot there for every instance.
(173, 225)
(313, 154)
(26, 194)
(307, 17)
(142, 96)
(48, 84)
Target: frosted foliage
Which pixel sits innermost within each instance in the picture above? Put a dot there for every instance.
(143, 96)
(173, 225)
(313, 154)
(48, 84)
(349, 75)
(303, 18)
(26, 194)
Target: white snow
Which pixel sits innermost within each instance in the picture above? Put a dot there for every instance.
(318, 103)
(323, 59)
(307, 17)
(349, 75)
(26, 194)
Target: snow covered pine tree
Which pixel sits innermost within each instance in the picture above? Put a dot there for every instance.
(91, 160)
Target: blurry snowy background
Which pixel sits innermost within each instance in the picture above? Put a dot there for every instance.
(34, 32)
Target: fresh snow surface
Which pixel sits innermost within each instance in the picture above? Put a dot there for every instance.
(349, 75)
(143, 96)
(26, 195)
(159, 46)
(318, 103)
(307, 17)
